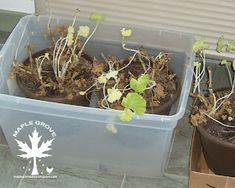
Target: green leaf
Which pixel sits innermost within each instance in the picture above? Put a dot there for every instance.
(200, 45)
(140, 85)
(126, 32)
(196, 64)
(82, 93)
(126, 115)
(114, 95)
(102, 79)
(112, 128)
(220, 44)
(70, 35)
(111, 74)
(230, 46)
(223, 62)
(46, 55)
(97, 17)
(83, 31)
(233, 64)
(135, 102)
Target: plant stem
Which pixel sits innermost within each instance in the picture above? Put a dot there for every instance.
(56, 52)
(228, 126)
(102, 103)
(105, 97)
(56, 62)
(142, 62)
(128, 49)
(230, 76)
(65, 67)
(90, 87)
(125, 88)
(107, 61)
(59, 57)
(224, 97)
(210, 87)
(153, 85)
(39, 66)
(199, 75)
(196, 80)
(132, 58)
(149, 65)
(83, 46)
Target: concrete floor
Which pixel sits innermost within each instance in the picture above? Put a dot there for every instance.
(176, 173)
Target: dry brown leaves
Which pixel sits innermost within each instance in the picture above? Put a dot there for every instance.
(98, 67)
(160, 91)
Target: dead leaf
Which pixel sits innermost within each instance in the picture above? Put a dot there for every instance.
(98, 67)
(155, 103)
(171, 76)
(61, 29)
(224, 117)
(70, 96)
(197, 119)
(160, 91)
(11, 76)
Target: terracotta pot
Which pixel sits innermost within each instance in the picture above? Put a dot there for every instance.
(219, 154)
(136, 69)
(76, 100)
(165, 108)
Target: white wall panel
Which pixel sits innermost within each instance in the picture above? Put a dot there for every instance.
(208, 19)
(25, 6)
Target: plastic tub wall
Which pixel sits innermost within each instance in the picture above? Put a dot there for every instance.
(139, 148)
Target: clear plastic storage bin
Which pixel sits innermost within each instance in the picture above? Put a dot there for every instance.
(140, 147)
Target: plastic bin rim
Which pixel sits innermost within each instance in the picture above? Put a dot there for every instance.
(66, 18)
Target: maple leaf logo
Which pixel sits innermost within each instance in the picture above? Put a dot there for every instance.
(36, 151)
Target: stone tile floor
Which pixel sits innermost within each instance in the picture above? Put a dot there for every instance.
(176, 173)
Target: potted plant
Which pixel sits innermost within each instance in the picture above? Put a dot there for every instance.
(64, 73)
(58, 73)
(143, 83)
(213, 112)
(96, 137)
